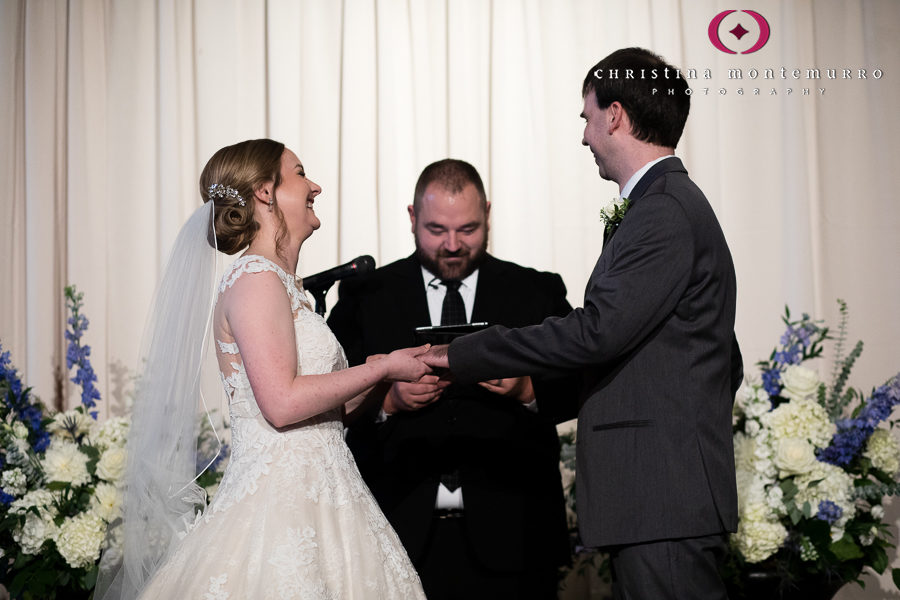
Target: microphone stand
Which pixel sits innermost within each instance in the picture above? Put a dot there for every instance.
(319, 295)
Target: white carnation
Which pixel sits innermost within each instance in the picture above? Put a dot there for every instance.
(80, 538)
(14, 482)
(106, 502)
(883, 451)
(799, 383)
(64, 462)
(111, 466)
(794, 456)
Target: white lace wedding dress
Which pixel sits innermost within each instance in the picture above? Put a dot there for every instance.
(292, 517)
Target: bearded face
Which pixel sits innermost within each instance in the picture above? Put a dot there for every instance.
(451, 231)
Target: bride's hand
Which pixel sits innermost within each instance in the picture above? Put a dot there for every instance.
(403, 364)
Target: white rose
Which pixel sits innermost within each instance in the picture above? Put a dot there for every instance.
(799, 382)
(19, 430)
(112, 463)
(794, 456)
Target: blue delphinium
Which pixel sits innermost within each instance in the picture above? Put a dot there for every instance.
(78, 355)
(801, 340)
(853, 433)
(18, 401)
(829, 512)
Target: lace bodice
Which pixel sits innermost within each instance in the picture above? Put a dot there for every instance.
(318, 351)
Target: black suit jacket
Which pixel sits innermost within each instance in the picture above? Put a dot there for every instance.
(655, 344)
(507, 456)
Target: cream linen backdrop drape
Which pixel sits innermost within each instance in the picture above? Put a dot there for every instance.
(109, 109)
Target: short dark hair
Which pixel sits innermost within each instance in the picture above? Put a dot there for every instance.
(454, 175)
(636, 78)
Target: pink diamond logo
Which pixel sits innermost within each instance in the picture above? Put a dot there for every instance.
(739, 31)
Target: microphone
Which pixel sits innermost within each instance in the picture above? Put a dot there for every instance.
(325, 279)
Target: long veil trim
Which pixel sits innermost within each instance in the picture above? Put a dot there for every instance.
(161, 495)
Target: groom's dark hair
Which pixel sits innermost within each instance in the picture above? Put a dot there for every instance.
(657, 105)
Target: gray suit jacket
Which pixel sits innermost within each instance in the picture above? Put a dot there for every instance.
(655, 347)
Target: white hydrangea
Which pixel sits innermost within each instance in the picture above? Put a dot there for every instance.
(799, 383)
(41, 498)
(80, 538)
(14, 482)
(759, 539)
(106, 502)
(74, 421)
(883, 451)
(113, 432)
(834, 484)
(36, 530)
(64, 462)
(111, 466)
(803, 419)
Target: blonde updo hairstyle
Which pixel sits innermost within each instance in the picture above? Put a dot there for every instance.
(244, 167)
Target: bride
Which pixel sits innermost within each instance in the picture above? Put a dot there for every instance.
(292, 517)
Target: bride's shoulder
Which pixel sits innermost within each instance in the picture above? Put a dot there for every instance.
(268, 280)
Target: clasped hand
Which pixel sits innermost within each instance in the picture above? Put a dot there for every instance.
(414, 394)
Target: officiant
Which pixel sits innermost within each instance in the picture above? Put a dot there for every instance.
(468, 475)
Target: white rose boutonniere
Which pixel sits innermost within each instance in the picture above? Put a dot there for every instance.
(613, 213)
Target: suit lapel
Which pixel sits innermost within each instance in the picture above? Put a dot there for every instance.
(664, 166)
(489, 292)
(410, 293)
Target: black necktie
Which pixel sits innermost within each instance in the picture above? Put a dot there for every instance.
(453, 311)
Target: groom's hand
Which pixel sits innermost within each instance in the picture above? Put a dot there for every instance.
(437, 357)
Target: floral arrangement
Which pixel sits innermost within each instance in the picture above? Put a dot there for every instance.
(613, 213)
(60, 479)
(815, 464)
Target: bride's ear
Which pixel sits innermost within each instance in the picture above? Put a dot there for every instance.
(264, 193)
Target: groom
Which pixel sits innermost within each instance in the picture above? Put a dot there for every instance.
(654, 345)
